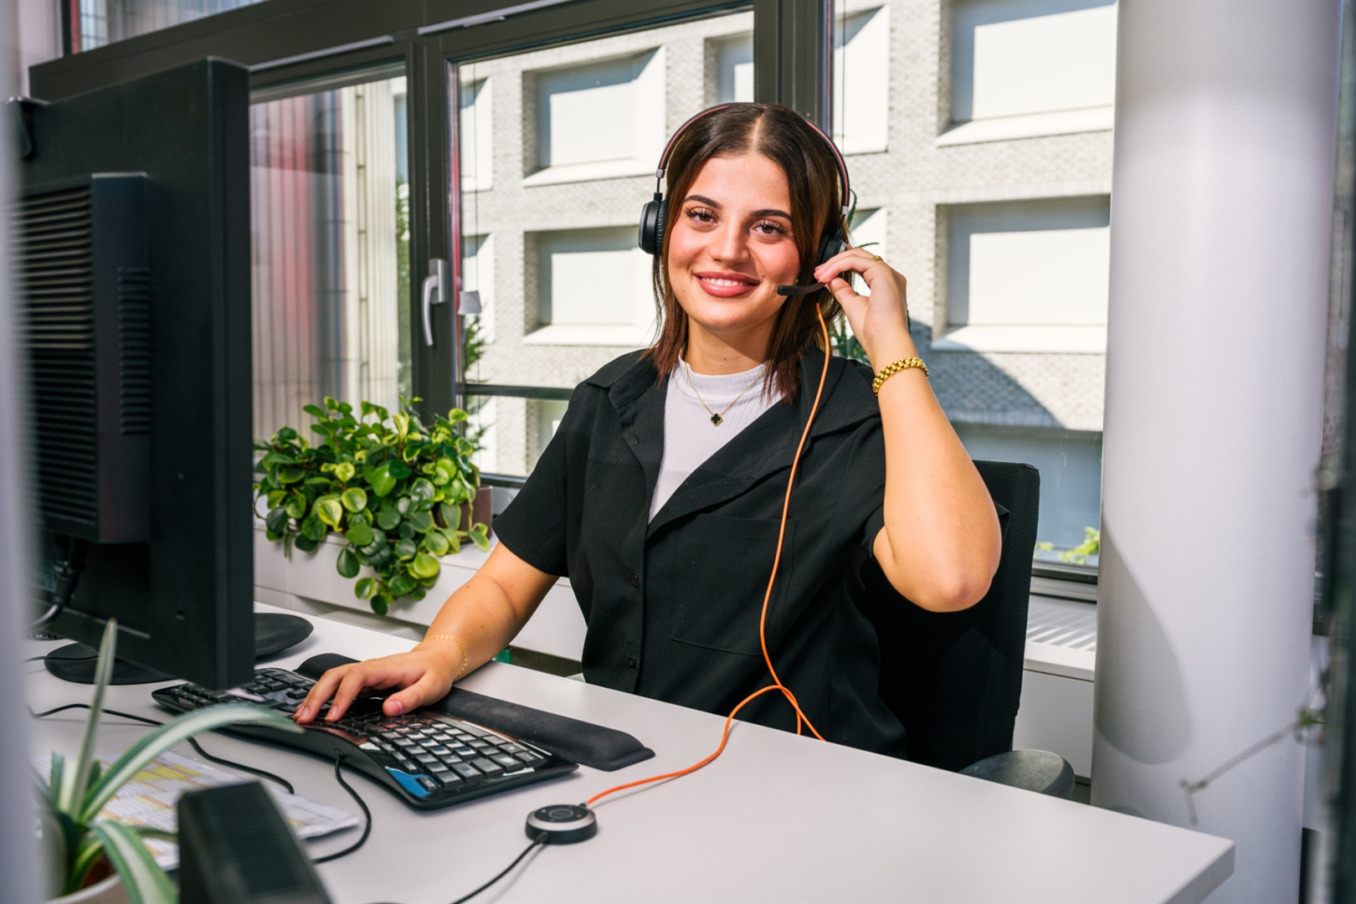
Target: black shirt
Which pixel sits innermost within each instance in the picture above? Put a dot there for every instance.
(673, 604)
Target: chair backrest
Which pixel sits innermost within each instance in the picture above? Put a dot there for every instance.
(955, 678)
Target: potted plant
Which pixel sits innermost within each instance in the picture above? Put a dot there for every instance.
(79, 843)
(398, 493)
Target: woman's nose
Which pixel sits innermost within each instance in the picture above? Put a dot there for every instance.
(729, 243)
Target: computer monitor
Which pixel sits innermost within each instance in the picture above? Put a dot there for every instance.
(132, 269)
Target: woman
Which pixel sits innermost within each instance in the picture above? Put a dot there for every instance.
(661, 494)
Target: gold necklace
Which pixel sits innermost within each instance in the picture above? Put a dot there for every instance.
(717, 417)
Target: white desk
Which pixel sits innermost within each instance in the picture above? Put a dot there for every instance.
(776, 818)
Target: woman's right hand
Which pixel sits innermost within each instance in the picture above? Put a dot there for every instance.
(423, 675)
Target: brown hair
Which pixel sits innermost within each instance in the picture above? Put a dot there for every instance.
(812, 176)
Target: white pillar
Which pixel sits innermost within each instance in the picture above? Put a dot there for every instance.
(18, 852)
(1221, 210)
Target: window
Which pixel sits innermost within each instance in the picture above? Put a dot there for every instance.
(1031, 67)
(861, 59)
(1001, 225)
(329, 222)
(1028, 276)
(595, 119)
(100, 22)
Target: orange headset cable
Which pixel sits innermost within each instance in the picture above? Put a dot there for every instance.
(801, 718)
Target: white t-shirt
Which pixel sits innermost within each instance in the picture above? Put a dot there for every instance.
(690, 434)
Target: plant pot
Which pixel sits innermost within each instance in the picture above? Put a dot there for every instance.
(480, 511)
(107, 891)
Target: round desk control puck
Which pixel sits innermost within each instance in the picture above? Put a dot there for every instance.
(561, 824)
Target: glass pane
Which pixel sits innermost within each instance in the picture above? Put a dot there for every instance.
(983, 174)
(330, 222)
(558, 149)
(102, 22)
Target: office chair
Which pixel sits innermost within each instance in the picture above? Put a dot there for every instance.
(955, 678)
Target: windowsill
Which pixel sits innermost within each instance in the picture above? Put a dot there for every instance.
(1030, 125)
(603, 335)
(1054, 339)
(587, 172)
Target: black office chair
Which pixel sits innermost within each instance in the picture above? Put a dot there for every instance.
(955, 678)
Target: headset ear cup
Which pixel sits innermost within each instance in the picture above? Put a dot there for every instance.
(830, 244)
(652, 218)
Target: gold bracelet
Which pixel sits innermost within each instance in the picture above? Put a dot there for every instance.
(465, 658)
(891, 369)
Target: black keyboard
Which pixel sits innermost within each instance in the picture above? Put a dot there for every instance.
(427, 759)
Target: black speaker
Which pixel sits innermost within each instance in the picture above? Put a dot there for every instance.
(235, 848)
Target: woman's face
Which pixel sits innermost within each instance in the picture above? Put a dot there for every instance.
(729, 249)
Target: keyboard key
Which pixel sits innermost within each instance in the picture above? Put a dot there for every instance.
(487, 766)
(467, 771)
(505, 760)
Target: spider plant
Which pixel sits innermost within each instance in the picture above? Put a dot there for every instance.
(75, 792)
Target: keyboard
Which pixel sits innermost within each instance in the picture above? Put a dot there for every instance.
(427, 759)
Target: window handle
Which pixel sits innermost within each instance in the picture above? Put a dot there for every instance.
(435, 292)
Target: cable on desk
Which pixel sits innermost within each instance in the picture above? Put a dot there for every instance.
(221, 761)
(536, 843)
(362, 805)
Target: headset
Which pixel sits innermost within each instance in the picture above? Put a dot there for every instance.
(654, 215)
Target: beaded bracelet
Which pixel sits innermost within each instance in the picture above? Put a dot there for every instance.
(891, 369)
(465, 658)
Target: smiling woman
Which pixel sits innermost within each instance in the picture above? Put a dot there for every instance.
(664, 497)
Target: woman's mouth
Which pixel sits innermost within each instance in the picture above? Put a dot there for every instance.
(725, 285)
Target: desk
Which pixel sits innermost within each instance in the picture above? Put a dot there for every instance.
(777, 818)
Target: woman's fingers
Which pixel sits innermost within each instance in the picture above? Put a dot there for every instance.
(342, 685)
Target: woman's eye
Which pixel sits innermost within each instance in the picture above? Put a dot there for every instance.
(700, 215)
(769, 227)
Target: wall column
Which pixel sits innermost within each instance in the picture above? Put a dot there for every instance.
(1221, 211)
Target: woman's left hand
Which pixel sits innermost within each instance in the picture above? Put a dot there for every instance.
(879, 320)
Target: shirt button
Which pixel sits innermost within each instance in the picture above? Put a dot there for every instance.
(631, 661)
(635, 580)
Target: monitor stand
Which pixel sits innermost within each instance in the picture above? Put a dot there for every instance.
(273, 633)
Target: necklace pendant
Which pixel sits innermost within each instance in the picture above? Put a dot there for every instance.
(716, 419)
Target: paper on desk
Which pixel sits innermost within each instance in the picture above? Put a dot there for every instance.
(149, 799)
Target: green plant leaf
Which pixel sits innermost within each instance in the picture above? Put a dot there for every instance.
(285, 434)
(480, 537)
(399, 469)
(424, 566)
(365, 588)
(354, 499)
(359, 534)
(387, 518)
(143, 880)
(450, 513)
(404, 505)
(421, 492)
(380, 604)
(296, 505)
(375, 545)
(318, 481)
(347, 563)
(401, 585)
(315, 411)
(405, 548)
(380, 479)
(345, 471)
(74, 784)
(436, 543)
(289, 474)
(313, 529)
(306, 544)
(329, 510)
(405, 530)
(276, 520)
(422, 522)
(182, 726)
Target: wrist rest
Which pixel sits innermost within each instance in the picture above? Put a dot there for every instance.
(595, 746)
